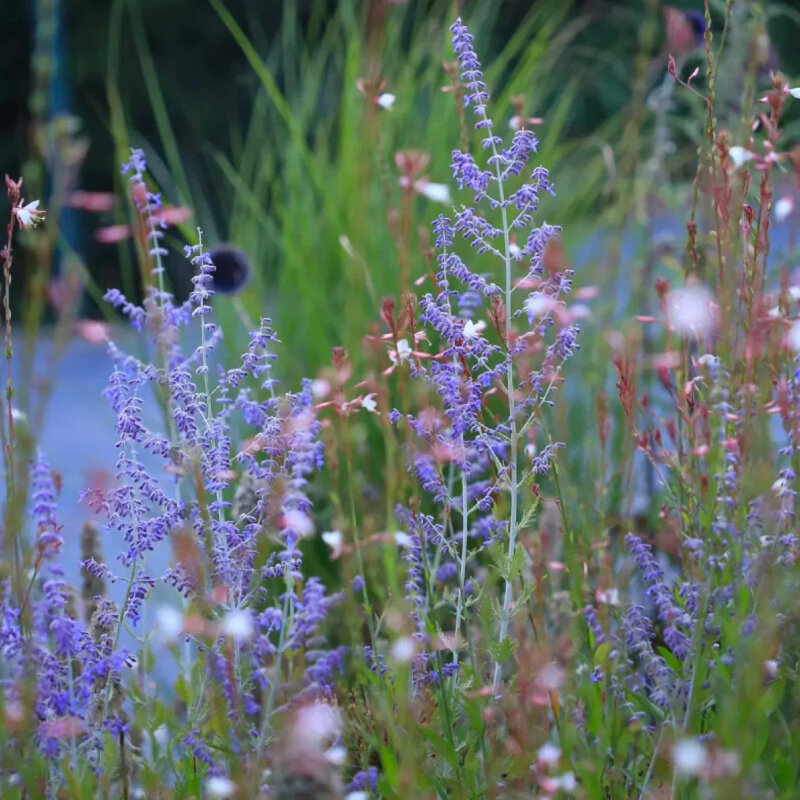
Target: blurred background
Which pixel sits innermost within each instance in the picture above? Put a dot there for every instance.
(315, 137)
(251, 117)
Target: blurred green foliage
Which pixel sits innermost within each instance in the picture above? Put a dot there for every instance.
(250, 115)
(188, 92)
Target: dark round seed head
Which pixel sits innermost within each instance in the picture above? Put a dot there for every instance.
(232, 269)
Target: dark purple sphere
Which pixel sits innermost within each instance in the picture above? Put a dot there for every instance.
(232, 269)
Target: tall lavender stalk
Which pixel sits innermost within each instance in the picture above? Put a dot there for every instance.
(481, 357)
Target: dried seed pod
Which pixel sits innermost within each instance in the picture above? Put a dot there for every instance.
(305, 774)
(92, 584)
(247, 499)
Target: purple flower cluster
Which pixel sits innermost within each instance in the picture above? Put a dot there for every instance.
(184, 480)
(473, 454)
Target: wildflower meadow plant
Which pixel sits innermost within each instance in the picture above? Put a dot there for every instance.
(244, 626)
(233, 608)
(494, 377)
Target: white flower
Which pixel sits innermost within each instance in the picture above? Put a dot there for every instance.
(783, 208)
(795, 92)
(218, 787)
(402, 353)
(689, 310)
(438, 192)
(689, 757)
(565, 782)
(335, 541)
(536, 305)
(160, 735)
(317, 723)
(298, 522)
(356, 796)
(238, 624)
(402, 539)
(472, 329)
(336, 755)
(169, 621)
(794, 337)
(609, 597)
(29, 216)
(794, 292)
(740, 155)
(403, 649)
(548, 753)
(320, 388)
(514, 250)
(708, 360)
(771, 668)
(368, 402)
(386, 100)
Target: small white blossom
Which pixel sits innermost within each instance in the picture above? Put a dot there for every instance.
(386, 101)
(794, 337)
(335, 542)
(565, 782)
(320, 388)
(771, 668)
(317, 723)
(238, 625)
(795, 92)
(298, 522)
(438, 192)
(369, 403)
(779, 485)
(740, 155)
(169, 621)
(219, 787)
(402, 539)
(537, 304)
(783, 208)
(472, 329)
(402, 353)
(336, 755)
(689, 310)
(609, 597)
(356, 796)
(689, 757)
(29, 216)
(403, 649)
(548, 754)
(160, 735)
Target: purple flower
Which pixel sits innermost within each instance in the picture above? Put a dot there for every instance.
(43, 506)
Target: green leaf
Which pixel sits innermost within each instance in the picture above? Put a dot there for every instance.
(503, 650)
